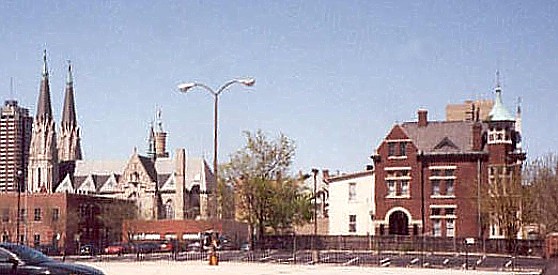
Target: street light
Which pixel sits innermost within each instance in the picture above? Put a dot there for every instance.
(185, 87)
(315, 255)
(18, 216)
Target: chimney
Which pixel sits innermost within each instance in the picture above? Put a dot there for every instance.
(422, 117)
(477, 136)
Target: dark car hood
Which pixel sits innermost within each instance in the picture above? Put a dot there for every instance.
(81, 269)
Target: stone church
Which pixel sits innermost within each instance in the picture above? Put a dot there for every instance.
(162, 186)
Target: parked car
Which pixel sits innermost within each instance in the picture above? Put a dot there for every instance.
(87, 250)
(195, 246)
(48, 249)
(245, 247)
(115, 248)
(147, 247)
(19, 259)
(166, 246)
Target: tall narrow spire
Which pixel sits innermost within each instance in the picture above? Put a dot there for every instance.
(69, 109)
(44, 110)
(45, 67)
(151, 142)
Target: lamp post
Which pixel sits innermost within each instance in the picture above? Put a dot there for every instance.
(18, 215)
(185, 87)
(315, 255)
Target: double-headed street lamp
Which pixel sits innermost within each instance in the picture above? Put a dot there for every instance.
(185, 87)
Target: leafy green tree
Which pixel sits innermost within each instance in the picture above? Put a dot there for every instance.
(266, 195)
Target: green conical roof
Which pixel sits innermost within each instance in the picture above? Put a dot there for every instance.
(499, 111)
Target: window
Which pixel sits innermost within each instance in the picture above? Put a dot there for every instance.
(402, 148)
(391, 187)
(450, 211)
(37, 215)
(36, 239)
(449, 187)
(352, 223)
(22, 215)
(435, 187)
(391, 149)
(436, 212)
(352, 191)
(405, 188)
(436, 228)
(5, 215)
(55, 214)
(448, 172)
(450, 228)
(169, 211)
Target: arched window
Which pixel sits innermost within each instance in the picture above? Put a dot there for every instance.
(169, 210)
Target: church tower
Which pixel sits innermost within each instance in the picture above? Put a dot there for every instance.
(43, 155)
(69, 147)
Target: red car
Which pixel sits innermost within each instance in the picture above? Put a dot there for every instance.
(114, 249)
(166, 247)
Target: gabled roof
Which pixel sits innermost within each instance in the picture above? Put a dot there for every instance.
(445, 144)
(149, 167)
(442, 136)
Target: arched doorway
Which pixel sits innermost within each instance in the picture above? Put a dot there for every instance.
(398, 223)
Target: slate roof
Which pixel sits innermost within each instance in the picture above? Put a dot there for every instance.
(149, 167)
(442, 136)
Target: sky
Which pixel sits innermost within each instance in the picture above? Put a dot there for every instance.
(334, 76)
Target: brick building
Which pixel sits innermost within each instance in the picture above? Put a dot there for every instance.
(184, 230)
(62, 221)
(429, 173)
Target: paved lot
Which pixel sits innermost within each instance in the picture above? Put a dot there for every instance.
(189, 267)
(335, 259)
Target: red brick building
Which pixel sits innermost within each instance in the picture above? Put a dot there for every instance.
(429, 173)
(62, 221)
(183, 230)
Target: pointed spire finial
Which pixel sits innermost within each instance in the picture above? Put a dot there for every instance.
(518, 105)
(70, 79)
(497, 79)
(45, 67)
(159, 120)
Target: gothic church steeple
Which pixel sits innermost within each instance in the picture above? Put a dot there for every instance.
(69, 142)
(43, 154)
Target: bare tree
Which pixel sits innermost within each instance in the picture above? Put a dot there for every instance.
(541, 175)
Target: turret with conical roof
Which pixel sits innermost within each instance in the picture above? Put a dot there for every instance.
(43, 154)
(69, 142)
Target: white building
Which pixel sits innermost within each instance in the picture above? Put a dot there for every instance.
(351, 204)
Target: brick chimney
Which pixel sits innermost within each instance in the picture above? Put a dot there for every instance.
(477, 136)
(422, 117)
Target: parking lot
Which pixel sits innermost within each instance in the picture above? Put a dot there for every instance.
(344, 258)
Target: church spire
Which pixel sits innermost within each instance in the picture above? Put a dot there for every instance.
(44, 110)
(69, 141)
(69, 109)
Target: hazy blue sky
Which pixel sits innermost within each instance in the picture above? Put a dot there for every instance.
(332, 75)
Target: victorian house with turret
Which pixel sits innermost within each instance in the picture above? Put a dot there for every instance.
(430, 175)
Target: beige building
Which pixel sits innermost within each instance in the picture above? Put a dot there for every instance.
(469, 109)
(15, 136)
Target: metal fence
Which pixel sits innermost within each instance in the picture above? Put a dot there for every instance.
(402, 244)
